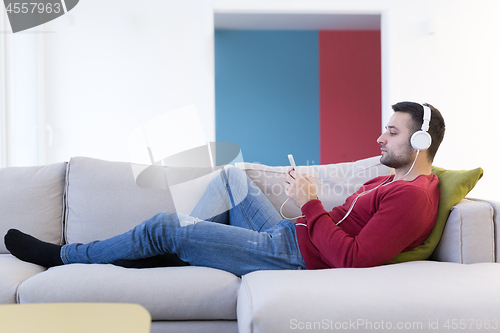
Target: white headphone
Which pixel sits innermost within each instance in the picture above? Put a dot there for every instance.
(421, 140)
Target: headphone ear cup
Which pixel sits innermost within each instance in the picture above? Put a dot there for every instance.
(421, 140)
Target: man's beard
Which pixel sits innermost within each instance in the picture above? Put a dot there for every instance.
(392, 161)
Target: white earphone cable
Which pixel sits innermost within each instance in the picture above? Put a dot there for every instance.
(288, 218)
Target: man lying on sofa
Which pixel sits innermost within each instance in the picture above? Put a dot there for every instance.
(235, 228)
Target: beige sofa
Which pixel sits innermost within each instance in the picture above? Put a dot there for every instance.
(88, 199)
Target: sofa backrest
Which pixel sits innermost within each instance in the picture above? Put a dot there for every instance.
(31, 199)
(471, 233)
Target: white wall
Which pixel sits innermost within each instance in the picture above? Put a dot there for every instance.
(111, 65)
(456, 69)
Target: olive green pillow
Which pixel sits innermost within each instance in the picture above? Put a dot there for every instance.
(453, 186)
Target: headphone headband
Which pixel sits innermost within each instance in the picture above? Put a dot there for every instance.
(427, 118)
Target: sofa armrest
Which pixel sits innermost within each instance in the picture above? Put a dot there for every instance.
(470, 233)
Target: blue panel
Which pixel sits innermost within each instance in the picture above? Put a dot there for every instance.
(267, 94)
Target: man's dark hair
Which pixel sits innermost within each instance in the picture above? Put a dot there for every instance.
(436, 125)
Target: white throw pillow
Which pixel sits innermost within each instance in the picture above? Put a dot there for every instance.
(335, 182)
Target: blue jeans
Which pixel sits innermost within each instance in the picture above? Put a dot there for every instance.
(234, 227)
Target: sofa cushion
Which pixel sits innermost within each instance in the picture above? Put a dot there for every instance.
(103, 200)
(335, 182)
(12, 272)
(418, 293)
(31, 199)
(453, 187)
(174, 293)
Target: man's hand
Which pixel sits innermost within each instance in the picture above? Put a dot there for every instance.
(300, 188)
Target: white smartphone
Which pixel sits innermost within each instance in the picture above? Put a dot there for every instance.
(292, 161)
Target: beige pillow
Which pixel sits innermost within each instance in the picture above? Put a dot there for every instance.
(335, 181)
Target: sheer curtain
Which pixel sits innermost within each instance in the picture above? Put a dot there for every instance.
(22, 123)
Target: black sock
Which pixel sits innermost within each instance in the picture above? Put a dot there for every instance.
(30, 249)
(165, 260)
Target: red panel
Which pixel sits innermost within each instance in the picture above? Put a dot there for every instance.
(350, 95)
